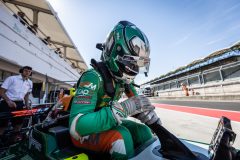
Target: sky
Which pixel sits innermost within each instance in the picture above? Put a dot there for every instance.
(179, 31)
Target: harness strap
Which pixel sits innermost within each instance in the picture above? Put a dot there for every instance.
(106, 75)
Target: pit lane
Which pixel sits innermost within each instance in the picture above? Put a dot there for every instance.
(197, 120)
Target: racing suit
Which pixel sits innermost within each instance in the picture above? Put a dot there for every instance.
(92, 124)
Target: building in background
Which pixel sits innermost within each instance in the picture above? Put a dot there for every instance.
(216, 76)
(40, 42)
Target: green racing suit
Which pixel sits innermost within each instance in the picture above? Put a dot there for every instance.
(93, 125)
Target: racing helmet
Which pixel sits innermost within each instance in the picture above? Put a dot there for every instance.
(126, 52)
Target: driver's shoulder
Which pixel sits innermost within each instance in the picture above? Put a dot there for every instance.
(93, 74)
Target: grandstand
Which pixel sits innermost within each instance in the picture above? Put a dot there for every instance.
(216, 76)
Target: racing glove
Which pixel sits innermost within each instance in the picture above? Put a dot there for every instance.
(149, 117)
(130, 107)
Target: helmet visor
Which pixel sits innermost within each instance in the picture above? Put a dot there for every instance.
(139, 47)
(134, 64)
(142, 51)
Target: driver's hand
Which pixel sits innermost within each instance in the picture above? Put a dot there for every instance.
(136, 104)
(130, 107)
(149, 117)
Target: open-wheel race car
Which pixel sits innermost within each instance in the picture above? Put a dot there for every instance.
(51, 140)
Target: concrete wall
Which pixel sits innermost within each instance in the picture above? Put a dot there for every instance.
(227, 90)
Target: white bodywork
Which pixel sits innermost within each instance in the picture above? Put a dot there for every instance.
(147, 153)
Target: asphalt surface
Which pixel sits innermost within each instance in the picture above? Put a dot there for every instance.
(232, 106)
(197, 126)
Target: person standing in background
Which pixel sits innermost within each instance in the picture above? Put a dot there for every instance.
(15, 92)
(185, 89)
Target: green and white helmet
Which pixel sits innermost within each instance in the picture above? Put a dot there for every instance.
(126, 52)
